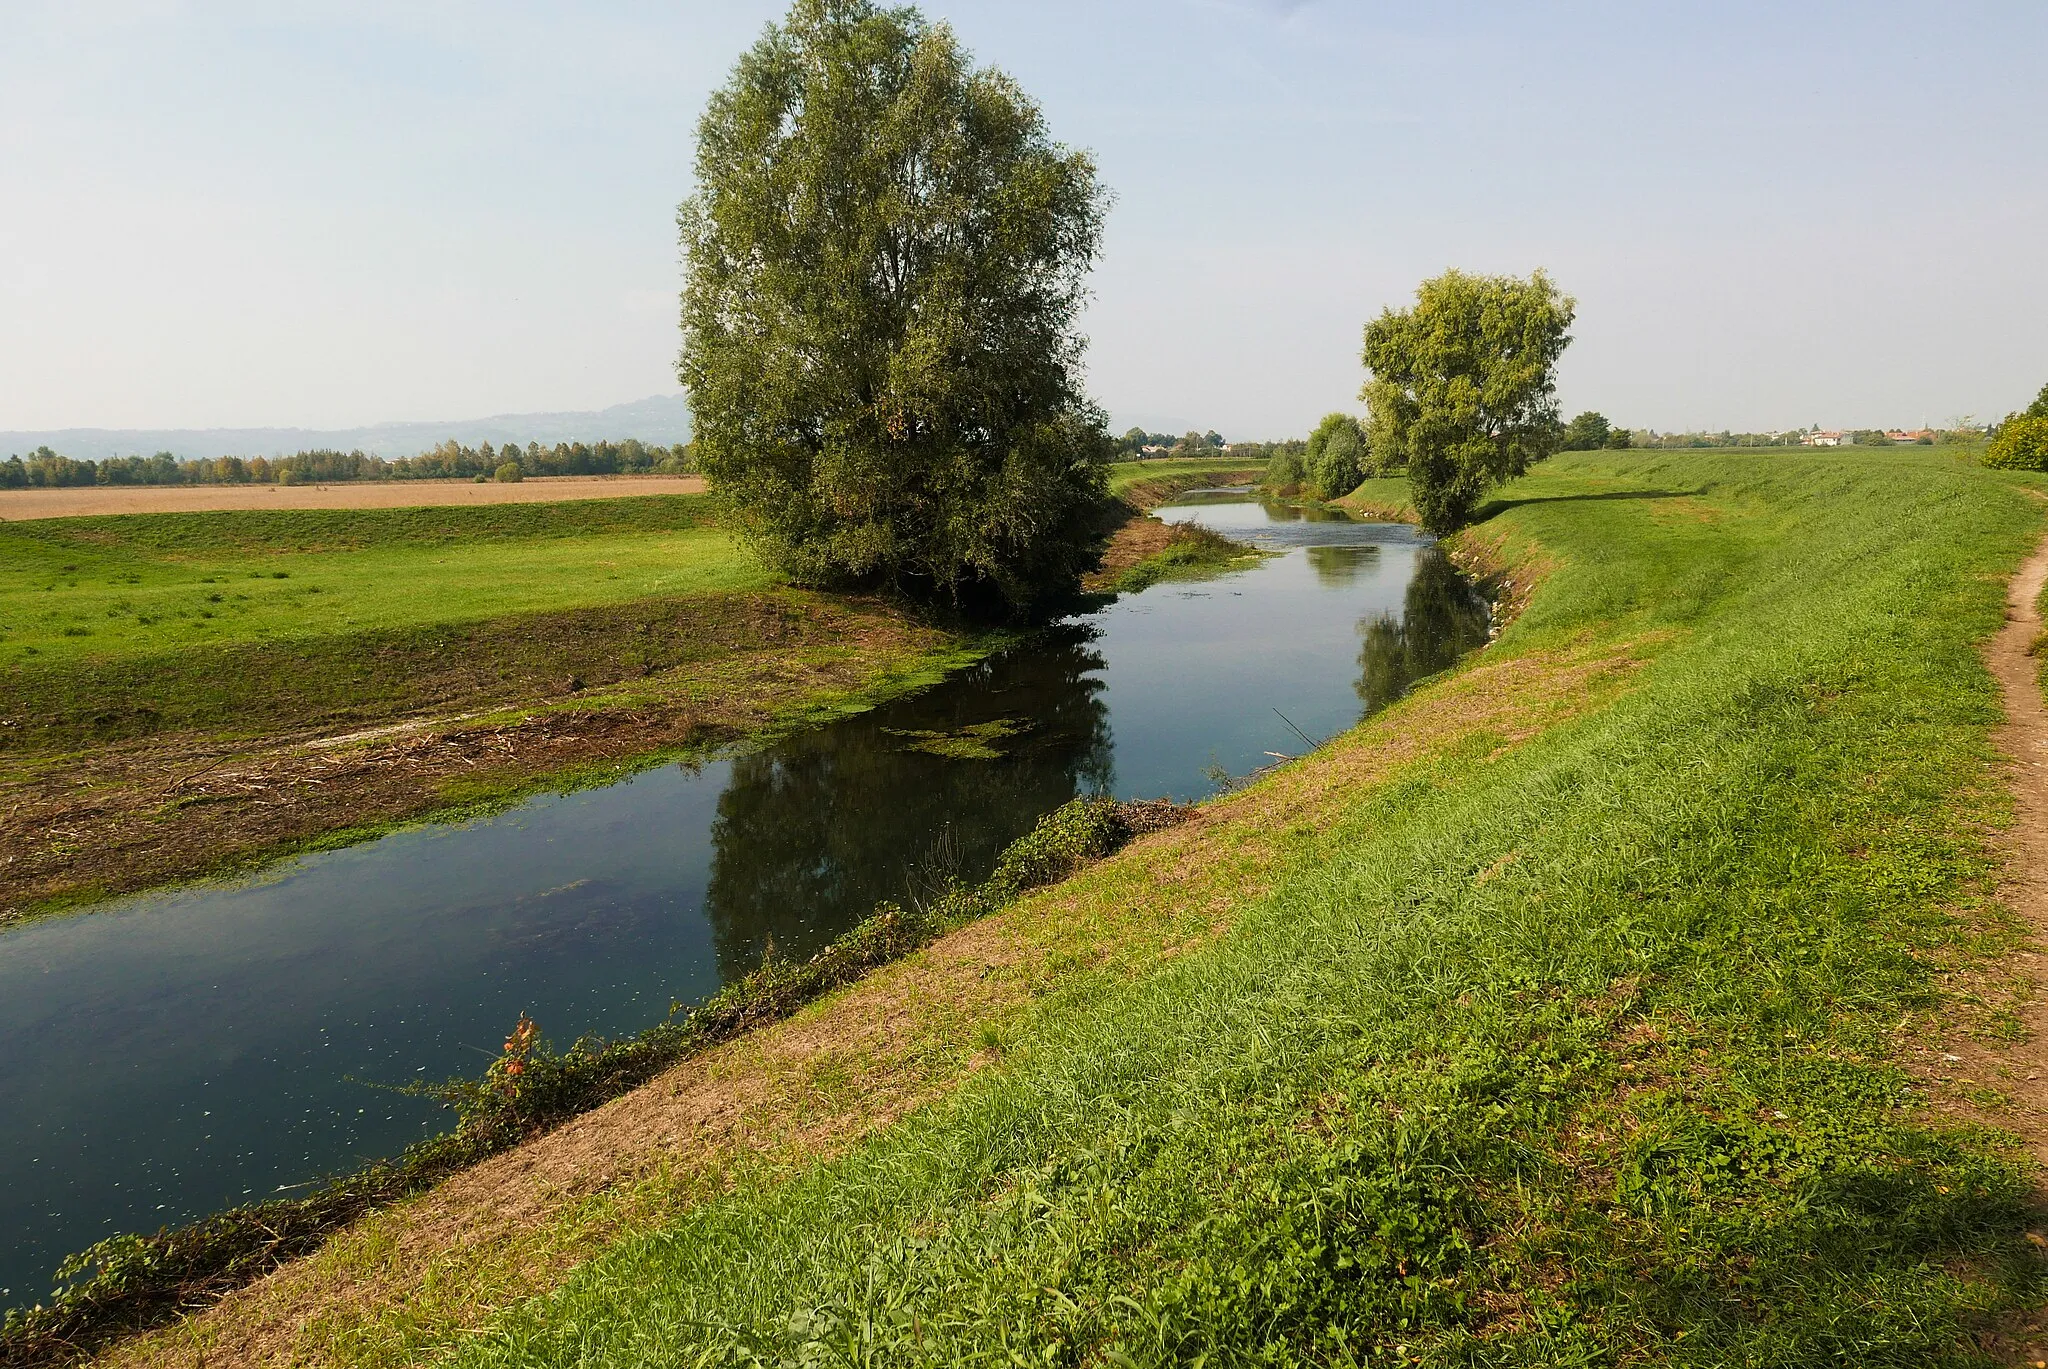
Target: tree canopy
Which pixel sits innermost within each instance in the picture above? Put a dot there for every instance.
(1463, 386)
(886, 255)
(2039, 408)
(1335, 459)
(1588, 432)
(2021, 443)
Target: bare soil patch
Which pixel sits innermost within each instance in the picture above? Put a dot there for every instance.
(541, 489)
(1137, 538)
(126, 816)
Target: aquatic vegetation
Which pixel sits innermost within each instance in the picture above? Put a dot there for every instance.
(974, 742)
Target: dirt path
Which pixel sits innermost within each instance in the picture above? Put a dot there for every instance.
(2020, 1068)
(2023, 738)
(391, 494)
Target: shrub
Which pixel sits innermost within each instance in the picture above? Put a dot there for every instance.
(509, 473)
(1284, 470)
(2021, 444)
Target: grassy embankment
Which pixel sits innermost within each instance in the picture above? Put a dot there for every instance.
(1144, 551)
(170, 683)
(1555, 1015)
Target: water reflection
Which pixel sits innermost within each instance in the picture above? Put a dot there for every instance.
(1442, 618)
(1281, 512)
(1341, 567)
(803, 847)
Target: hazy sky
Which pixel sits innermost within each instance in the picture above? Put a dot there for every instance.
(332, 214)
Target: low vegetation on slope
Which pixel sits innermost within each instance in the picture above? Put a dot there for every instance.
(1573, 1047)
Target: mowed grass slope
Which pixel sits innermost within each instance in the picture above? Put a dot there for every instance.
(1564, 1046)
(143, 584)
(123, 626)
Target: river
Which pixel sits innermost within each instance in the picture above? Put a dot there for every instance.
(173, 1053)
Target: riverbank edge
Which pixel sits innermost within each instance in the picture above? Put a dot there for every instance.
(1601, 671)
(129, 1284)
(929, 654)
(259, 1238)
(925, 658)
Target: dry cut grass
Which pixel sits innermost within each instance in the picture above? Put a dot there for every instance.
(87, 501)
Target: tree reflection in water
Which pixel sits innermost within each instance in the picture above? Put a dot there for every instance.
(1281, 512)
(1341, 567)
(1442, 619)
(812, 832)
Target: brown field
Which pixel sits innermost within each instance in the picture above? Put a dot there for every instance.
(16, 505)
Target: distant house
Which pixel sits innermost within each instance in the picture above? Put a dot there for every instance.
(1831, 437)
(1916, 435)
(1154, 451)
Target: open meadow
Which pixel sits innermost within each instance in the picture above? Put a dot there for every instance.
(1601, 1002)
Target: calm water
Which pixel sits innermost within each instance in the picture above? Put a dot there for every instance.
(180, 1052)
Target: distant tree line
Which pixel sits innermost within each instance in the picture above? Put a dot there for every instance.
(45, 469)
(1135, 444)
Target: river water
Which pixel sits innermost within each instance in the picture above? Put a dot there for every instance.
(174, 1053)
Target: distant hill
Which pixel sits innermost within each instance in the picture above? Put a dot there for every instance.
(660, 419)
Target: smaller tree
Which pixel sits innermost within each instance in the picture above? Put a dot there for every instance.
(2039, 408)
(1334, 461)
(1463, 387)
(1618, 440)
(1284, 473)
(1586, 433)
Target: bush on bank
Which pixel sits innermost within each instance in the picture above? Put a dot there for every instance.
(2021, 444)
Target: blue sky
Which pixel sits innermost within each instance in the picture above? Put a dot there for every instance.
(333, 214)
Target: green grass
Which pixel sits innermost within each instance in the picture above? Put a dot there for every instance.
(1193, 553)
(1576, 1051)
(100, 589)
(1125, 474)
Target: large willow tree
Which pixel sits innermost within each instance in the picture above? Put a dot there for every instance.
(886, 254)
